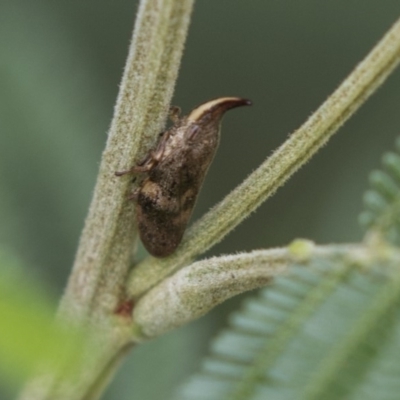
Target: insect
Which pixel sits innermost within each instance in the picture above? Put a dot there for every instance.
(173, 173)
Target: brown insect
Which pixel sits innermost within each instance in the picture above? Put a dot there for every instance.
(174, 172)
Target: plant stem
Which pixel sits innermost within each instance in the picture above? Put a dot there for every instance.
(276, 170)
(198, 288)
(105, 248)
(97, 282)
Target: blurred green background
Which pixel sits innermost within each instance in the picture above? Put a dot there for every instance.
(61, 63)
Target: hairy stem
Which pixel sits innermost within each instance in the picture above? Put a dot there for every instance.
(97, 282)
(276, 170)
(196, 289)
(109, 235)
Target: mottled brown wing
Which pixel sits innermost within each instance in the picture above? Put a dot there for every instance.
(165, 204)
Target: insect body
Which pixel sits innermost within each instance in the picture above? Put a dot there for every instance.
(174, 172)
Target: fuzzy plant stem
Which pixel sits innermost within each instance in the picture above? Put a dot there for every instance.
(109, 235)
(97, 282)
(276, 170)
(195, 290)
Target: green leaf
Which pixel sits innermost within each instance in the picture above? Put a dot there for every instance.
(327, 331)
(29, 338)
(382, 201)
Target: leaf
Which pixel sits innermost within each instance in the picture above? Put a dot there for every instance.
(330, 331)
(29, 338)
(382, 201)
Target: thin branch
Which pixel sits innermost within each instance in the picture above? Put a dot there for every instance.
(277, 169)
(196, 289)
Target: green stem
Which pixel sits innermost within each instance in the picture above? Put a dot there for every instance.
(97, 282)
(195, 290)
(104, 252)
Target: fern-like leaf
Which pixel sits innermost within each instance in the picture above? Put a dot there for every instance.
(382, 201)
(326, 331)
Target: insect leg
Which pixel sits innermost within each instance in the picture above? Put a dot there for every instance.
(158, 153)
(125, 172)
(151, 160)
